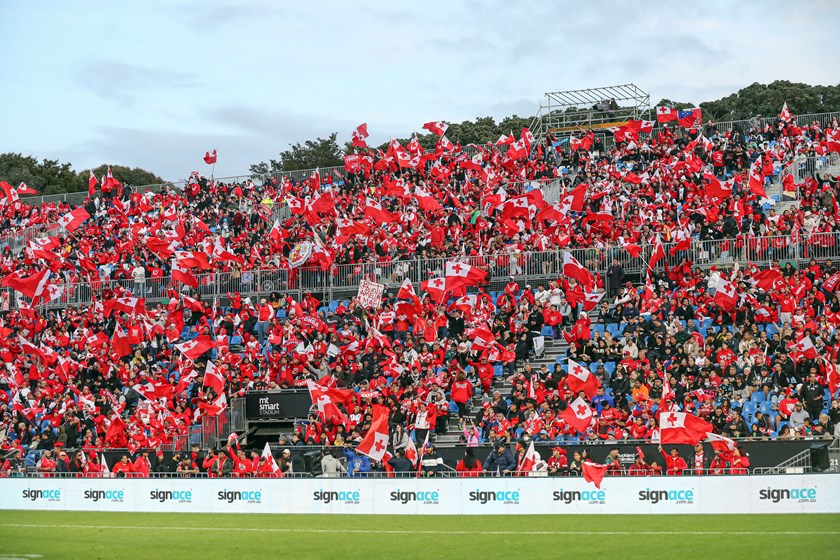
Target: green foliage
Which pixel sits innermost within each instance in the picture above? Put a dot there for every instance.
(321, 152)
(49, 176)
(766, 101)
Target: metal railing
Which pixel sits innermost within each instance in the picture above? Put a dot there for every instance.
(342, 281)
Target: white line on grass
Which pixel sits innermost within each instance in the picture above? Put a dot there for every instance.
(410, 532)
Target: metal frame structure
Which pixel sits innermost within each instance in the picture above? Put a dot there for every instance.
(594, 108)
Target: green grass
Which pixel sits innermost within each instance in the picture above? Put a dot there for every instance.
(84, 535)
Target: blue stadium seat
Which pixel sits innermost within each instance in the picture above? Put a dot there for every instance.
(765, 407)
(281, 313)
(498, 370)
(758, 396)
(706, 323)
(593, 366)
(770, 329)
(236, 340)
(609, 367)
(560, 360)
(547, 331)
(323, 309)
(614, 329)
(598, 328)
(748, 408)
(333, 306)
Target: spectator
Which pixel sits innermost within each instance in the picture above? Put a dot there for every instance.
(674, 464)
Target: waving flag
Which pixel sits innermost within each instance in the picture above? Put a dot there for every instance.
(581, 379)
(31, 286)
(195, 348)
(573, 269)
(73, 219)
(275, 468)
(785, 113)
(666, 114)
(213, 378)
(686, 118)
(593, 472)
(436, 288)
(436, 127)
(375, 442)
(578, 415)
(725, 294)
(529, 460)
(682, 427)
(459, 275)
(756, 180)
(360, 133)
(210, 157)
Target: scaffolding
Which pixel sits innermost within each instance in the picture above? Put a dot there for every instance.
(564, 112)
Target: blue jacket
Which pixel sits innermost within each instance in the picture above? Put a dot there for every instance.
(356, 463)
(499, 462)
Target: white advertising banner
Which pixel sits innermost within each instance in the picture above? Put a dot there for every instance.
(468, 496)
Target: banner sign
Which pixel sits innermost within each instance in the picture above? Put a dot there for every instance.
(817, 493)
(370, 293)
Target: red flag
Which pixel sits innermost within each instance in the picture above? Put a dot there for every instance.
(785, 113)
(634, 250)
(211, 409)
(406, 290)
(73, 219)
(193, 304)
(460, 275)
(210, 157)
(31, 286)
(411, 452)
(426, 201)
(721, 443)
(359, 135)
(591, 299)
(594, 473)
(832, 377)
(436, 288)
(805, 346)
(196, 347)
(658, 252)
(832, 140)
(375, 442)
(756, 181)
(92, 182)
(581, 379)
(193, 259)
(715, 188)
(682, 427)
(24, 189)
(436, 127)
(666, 114)
(578, 415)
(270, 458)
(326, 400)
(213, 378)
(182, 275)
(573, 269)
(687, 117)
(725, 295)
(375, 211)
(767, 279)
(119, 342)
(529, 460)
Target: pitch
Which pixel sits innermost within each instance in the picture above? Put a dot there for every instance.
(55, 535)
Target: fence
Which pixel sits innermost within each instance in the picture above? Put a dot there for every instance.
(342, 281)
(20, 239)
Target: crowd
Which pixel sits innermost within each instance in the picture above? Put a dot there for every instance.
(753, 351)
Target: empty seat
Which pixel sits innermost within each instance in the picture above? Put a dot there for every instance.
(758, 397)
(765, 407)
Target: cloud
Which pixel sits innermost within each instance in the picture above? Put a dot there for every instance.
(123, 82)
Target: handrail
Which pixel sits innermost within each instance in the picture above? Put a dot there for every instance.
(536, 266)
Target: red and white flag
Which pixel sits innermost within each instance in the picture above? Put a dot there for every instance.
(73, 219)
(436, 288)
(459, 275)
(182, 275)
(785, 113)
(92, 182)
(211, 409)
(529, 460)
(269, 458)
(378, 214)
(210, 157)
(360, 133)
(666, 114)
(411, 452)
(832, 140)
(436, 127)
(406, 290)
(593, 472)
(213, 378)
(578, 415)
(721, 443)
(682, 427)
(658, 252)
(805, 346)
(573, 269)
(832, 377)
(375, 442)
(32, 286)
(725, 294)
(581, 379)
(327, 399)
(196, 347)
(591, 299)
(756, 181)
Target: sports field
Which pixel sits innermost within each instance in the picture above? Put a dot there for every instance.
(77, 535)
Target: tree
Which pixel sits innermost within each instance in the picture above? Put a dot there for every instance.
(125, 175)
(49, 176)
(760, 100)
(321, 152)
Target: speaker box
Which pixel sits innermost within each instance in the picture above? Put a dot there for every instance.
(819, 457)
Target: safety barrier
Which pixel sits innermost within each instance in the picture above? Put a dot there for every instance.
(452, 496)
(342, 280)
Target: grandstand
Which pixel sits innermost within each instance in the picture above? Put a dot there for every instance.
(569, 302)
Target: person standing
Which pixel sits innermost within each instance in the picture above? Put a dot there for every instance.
(615, 277)
(674, 464)
(699, 463)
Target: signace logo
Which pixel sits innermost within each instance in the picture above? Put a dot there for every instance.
(114, 496)
(179, 496)
(676, 496)
(587, 496)
(231, 496)
(776, 495)
(45, 495)
(432, 497)
(485, 496)
(346, 497)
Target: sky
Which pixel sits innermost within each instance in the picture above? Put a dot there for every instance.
(156, 83)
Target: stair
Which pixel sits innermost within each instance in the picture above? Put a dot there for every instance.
(553, 350)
